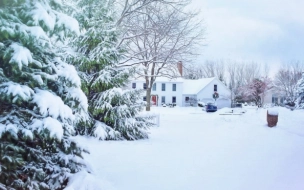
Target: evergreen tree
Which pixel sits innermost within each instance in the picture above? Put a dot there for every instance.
(300, 91)
(114, 112)
(40, 96)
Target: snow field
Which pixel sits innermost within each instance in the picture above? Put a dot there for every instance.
(196, 150)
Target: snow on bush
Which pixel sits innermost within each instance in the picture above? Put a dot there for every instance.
(51, 105)
(52, 125)
(68, 72)
(16, 91)
(21, 55)
(78, 95)
(39, 14)
(103, 132)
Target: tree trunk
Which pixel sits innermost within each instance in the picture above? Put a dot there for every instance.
(148, 98)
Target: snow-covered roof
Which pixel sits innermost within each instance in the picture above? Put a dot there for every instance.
(189, 86)
(162, 79)
(194, 86)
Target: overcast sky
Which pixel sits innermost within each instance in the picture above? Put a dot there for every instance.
(269, 31)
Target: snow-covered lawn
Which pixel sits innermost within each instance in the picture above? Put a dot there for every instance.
(195, 150)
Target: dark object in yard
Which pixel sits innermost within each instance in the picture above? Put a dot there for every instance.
(172, 105)
(237, 105)
(291, 104)
(272, 120)
(210, 107)
(200, 104)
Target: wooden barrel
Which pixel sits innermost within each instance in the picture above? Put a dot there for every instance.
(272, 120)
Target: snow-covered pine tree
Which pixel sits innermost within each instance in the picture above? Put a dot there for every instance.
(300, 91)
(115, 112)
(40, 96)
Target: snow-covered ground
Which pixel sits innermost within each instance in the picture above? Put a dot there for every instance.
(195, 150)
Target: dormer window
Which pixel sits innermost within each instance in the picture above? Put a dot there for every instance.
(215, 88)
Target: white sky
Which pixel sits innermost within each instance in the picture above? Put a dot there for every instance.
(265, 31)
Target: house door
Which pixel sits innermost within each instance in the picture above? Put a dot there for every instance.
(154, 100)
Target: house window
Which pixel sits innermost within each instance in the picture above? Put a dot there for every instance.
(154, 87)
(133, 85)
(144, 98)
(163, 87)
(163, 99)
(145, 86)
(173, 99)
(187, 99)
(173, 87)
(215, 88)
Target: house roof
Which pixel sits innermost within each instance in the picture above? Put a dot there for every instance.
(194, 86)
(162, 79)
(189, 86)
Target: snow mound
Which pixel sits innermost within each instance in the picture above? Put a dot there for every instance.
(86, 181)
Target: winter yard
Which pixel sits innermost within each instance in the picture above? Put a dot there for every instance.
(196, 150)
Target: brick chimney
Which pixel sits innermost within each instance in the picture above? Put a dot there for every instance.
(180, 68)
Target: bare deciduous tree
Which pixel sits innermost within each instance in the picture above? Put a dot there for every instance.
(206, 70)
(256, 90)
(233, 77)
(285, 82)
(251, 71)
(241, 74)
(159, 36)
(131, 8)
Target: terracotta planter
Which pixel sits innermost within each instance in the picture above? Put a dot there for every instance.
(272, 120)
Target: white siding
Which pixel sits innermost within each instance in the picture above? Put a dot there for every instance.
(205, 95)
(268, 97)
(168, 93)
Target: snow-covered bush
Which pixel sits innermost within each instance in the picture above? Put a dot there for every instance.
(114, 112)
(300, 91)
(40, 96)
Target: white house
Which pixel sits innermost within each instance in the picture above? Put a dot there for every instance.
(185, 92)
(273, 97)
(164, 90)
(203, 90)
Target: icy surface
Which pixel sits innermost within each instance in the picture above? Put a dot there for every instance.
(196, 150)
